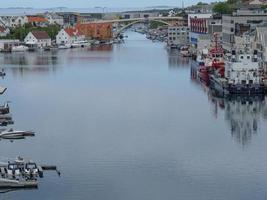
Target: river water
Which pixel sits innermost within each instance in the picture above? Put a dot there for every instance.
(128, 122)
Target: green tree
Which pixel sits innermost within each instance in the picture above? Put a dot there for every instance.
(223, 8)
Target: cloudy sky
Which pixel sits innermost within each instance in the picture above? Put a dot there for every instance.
(93, 3)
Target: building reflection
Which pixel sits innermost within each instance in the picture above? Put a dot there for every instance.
(176, 60)
(30, 62)
(34, 58)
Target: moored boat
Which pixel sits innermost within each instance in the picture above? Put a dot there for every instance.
(20, 48)
(242, 75)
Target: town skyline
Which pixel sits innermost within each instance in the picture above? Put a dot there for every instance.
(96, 3)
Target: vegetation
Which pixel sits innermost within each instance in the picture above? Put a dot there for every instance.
(155, 24)
(201, 3)
(22, 31)
(223, 8)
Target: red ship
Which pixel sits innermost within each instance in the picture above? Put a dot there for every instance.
(213, 63)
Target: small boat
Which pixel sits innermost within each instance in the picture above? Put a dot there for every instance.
(2, 73)
(5, 122)
(13, 134)
(184, 51)
(5, 117)
(20, 48)
(4, 109)
(64, 46)
(21, 173)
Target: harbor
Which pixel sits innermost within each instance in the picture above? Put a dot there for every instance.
(122, 104)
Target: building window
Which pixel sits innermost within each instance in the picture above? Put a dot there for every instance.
(232, 21)
(232, 29)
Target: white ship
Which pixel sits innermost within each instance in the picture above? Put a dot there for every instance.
(243, 73)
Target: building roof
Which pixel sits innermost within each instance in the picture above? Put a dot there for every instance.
(36, 19)
(72, 32)
(39, 35)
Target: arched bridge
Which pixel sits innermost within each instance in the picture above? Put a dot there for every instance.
(129, 22)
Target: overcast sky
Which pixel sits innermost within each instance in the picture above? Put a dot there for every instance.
(93, 3)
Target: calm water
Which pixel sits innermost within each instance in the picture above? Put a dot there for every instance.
(127, 122)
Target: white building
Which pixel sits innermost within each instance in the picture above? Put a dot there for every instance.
(178, 35)
(69, 36)
(6, 45)
(13, 21)
(38, 38)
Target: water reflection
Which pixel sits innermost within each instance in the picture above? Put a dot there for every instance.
(176, 60)
(241, 113)
(34, 58)
(103, 47)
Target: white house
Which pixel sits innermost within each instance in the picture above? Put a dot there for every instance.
(69, 36)
(13, 21)
(39, 38)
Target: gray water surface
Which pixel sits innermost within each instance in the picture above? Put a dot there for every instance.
(128, 122)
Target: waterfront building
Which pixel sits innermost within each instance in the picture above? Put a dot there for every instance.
(198, 16)
(69, 36)
(38, 38)
(178, 35)
(99, 31)
(202, 29)
(6, 45)
(241, 21)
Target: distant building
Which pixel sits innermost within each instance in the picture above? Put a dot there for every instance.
(69, 36)
(132, 15)
(38, 38)
(37, 21)
(13, 21)
(178, 35)
(70, 18)
(99, 31)
(239, 23)
(199, 16)
(54, 18)
(257, 2)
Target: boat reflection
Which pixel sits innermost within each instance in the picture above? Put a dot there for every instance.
(242, 113)
(175, 60)
(5, 191)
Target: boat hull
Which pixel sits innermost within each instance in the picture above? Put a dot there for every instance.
(229, 89)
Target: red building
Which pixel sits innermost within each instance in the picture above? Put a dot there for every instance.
(100, 31)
